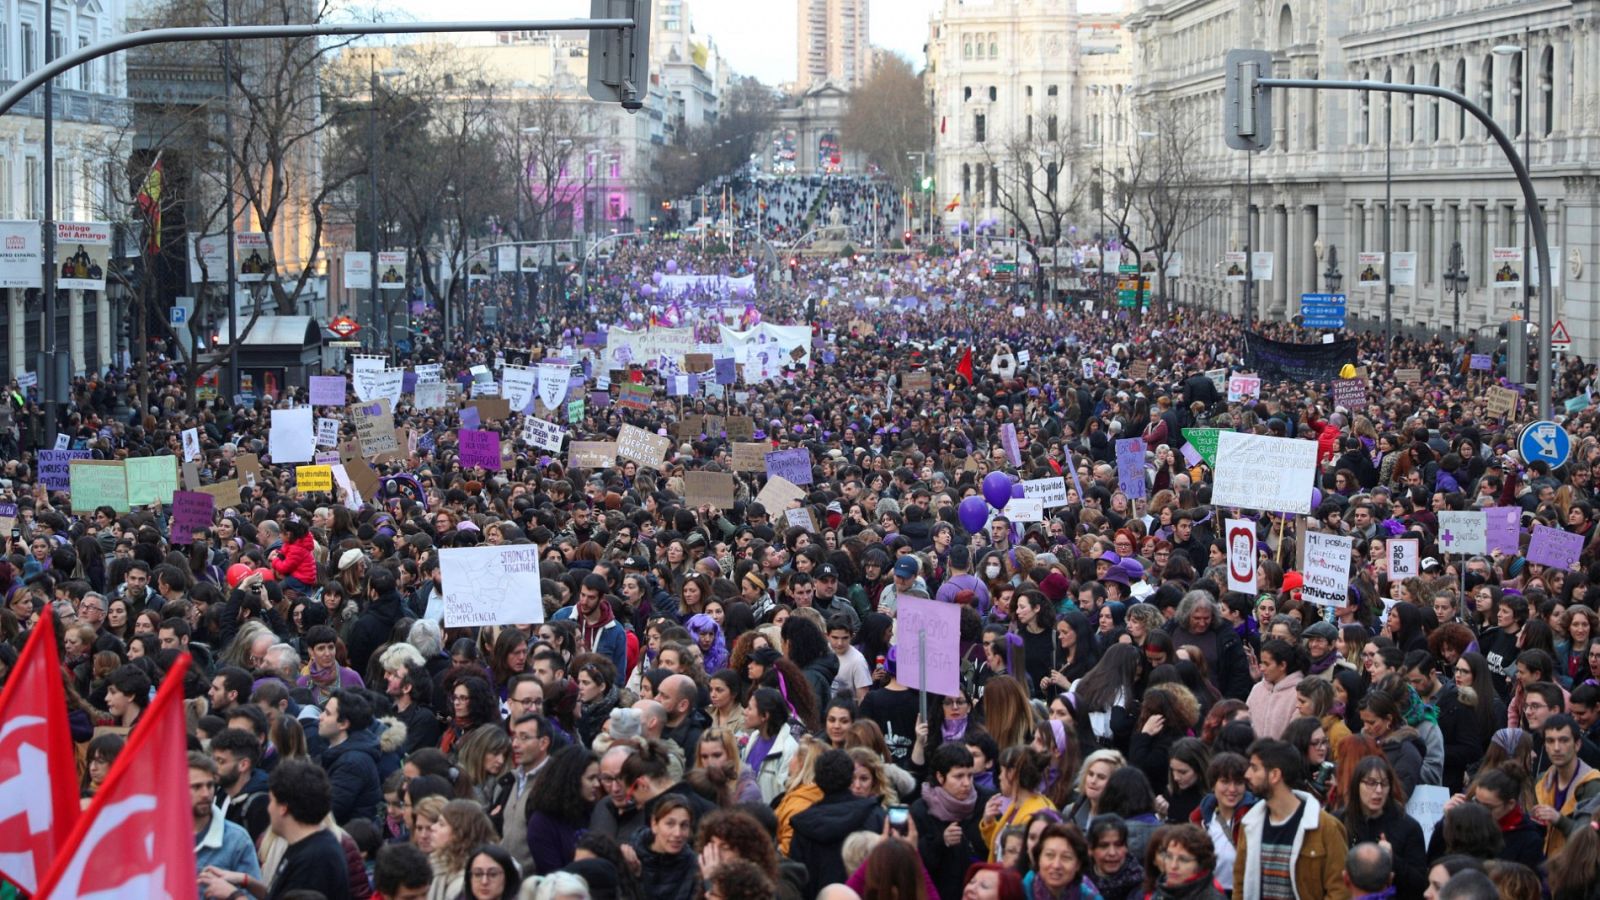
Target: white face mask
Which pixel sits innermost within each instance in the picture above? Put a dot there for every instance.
(992, 571)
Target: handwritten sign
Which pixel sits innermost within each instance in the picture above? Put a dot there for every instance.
(1204, 441)
(635, 396)
(310, 479)
(1256, 471)
(739, 428)
(375, 427)
(1462, 532)
(97, 483)
(1327, 569)
(542, 434)
(225, 493)
(1050, 492)
(591, 454)
(431, 395)
(191, 512)
(801, 517)
(795, 465)
(1481, 362)
(928, 635)
(910, 382)
(778, 494)
(643, 447)
(708, 488)
(327, 432)
(480, 448)
(151, 479)
(1350, 393)
(750, 456)
(491, 585)
(1426, 806)
(8, 517)
(1242, 386)
(1130, 467)
(1405, 560)
(1408, 376)
(327, 390)
(1554, 547)
(1501, 534)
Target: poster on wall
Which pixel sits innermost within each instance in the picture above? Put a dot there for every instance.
(208, 258)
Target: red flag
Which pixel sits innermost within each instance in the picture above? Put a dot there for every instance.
(38, 779)
(964, 368)
(137, 838)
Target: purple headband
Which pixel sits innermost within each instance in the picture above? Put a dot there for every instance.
(1060, 731)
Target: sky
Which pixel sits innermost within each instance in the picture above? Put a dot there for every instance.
(756, 36)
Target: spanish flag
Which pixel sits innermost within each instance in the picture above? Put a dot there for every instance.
(762, 200)
(149, 201)
(954, 202)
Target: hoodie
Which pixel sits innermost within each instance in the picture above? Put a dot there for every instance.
(820, 673)
(352, 769)
(819, 834)
(605, 636)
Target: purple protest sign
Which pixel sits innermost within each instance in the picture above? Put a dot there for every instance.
(1008, 440)
(191, 512)
(1554, 547)
(1482, 362)
(927, 637)
(1501, 533)
(470, 417)
(599, 398)
(480, 448)
(54, 467)
(408, 383)
(1190, 454)
(794, 465)
(327, 390)
(594, 339)
(726, 370)
(1130, 467)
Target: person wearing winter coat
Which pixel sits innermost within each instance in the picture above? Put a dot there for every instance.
(351, 759)
(1221, 812)
(1273, 701)
(771, 745)
(295, 563)
(598, 628)
(1383, 720)
(819, 831)
(1199, 623)
(668, 866)
(1317, 839)
(597, 695)
(1189, 867)
(947, 817)
(1375, 814)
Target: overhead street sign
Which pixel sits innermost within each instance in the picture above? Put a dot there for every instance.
(1322, 310)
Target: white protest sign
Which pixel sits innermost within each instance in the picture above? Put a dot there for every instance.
(553, 383)
(1241, 544)
(191, 444)
(1426, 806)
(327, 432)
(291, 438)
(1326, 569)
(491, 585)
(431, 395)
(364, 370)
(1405, 559)
(542, 434)
(387, 385)
(517, 385)
(1050, 492)
(1025, 509)
(1242, 386)
(1256, 471)
(1463, 532)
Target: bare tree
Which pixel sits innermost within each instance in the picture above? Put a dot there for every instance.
(889, 118)
(1031, 173)
(1154, 199)
(551, 137)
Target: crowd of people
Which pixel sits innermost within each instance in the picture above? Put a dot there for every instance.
(713, 704)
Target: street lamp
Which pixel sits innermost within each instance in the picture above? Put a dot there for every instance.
(922, 181)
(379, 311)
(1455, 277)
(1546, 297)
(1331, 276)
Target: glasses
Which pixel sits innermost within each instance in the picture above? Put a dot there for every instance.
(1177, 859)
(462, 698)
(1319, 742)
(1374, 783)
(1463, 670)
(488, 874)
(1531, 706)
(955, 701)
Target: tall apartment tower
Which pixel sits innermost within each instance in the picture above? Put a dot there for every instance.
(833, 42)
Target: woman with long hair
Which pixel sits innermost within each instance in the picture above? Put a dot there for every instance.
(893, 870)
(1022, 770)
(1060, 863)
(1186, 779)
(461, 828)
(1056, 739)
(1090, 785)
(717, 754)
(1075, 651)
(1103, 701)
(786, 677)
(597, 694)
(1377, 813)
(492, 874)
(1167, 712)
(1006, 712)
(560, 799)
(508, 658)
(1035, 621)
(1130, 796)
(836, 721)
(802, 792)
(472, 703)
(1307, 735)
(865, 732)
(484, 758)
(771, 745)
(1351, 751)
(870, 779)
(1314, 698)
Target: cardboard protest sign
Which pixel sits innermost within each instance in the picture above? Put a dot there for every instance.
(801, 517)
(750, 456)
(739, 428)
(689, 428)
(696, 363)
(225, 493)
(1502, 402)
(1350, 393)
(643, 447)
(8, 516)
(777, 494)
(916, 381)
(1326, 569)
(713, 488)
(1408, 376)
(491, 585)
(591, 454)
(313, 478)
(1256, 471)
(375, 427)
(492, 409)
(248, 467)
(151, 479)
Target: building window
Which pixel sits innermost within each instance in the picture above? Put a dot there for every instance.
(993, 93)
(30, 47)
(83, 71)
(979, 197)
(615, 166)
(1050, 127)
(994, 46)
(33, 183)
(1460, 87)
(1028, 127)
(980, 127)
(966, 93)
(1050, 91)
(1487, 84)
(994, 183)
(1052, 173)
(1547, 95)
(1514, 95)
(1433, 106)
(966, 48)
(966, 179)
(1029, 94)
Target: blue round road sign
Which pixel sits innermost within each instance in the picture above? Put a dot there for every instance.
(1545, 442)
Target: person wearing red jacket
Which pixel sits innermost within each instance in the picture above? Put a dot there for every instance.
(1327, 435)
(295, 563)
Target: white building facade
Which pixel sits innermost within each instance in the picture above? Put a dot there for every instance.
(1322, 184)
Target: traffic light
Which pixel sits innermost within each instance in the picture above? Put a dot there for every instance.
(906, 237)
(619, 60)
(1247, 104)
(794, 262)
(927, 184)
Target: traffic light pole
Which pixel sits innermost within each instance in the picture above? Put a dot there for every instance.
(1255, 90)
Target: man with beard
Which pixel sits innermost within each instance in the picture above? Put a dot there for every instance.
(217, 841)
(235, 755)
(407, 684)
(598, 631)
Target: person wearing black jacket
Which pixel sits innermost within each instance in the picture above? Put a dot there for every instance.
(819, 831)
(1375, 814)
(1463, 739)
(375, 623)
(1199, 623)
(947, 817)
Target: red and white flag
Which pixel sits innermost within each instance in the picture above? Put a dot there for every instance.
(38, 779)
(137, 838)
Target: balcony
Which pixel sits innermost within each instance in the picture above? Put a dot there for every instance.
(75, 106)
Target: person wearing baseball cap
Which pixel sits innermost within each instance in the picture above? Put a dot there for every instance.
(827, 599)
(907, 581)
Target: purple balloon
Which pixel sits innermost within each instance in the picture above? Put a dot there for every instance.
(1017, 492)
(647, 290)
(997, 489)
(672, 265)
(1316, 499)
(655, 277)
(973, 512)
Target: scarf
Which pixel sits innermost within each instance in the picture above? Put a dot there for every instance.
(953, 729)
(1077, 887)
(1318, 666)
(1417, 711)
(946, 808)
(759, 748)
(323, 677)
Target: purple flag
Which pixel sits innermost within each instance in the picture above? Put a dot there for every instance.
(1008, 439)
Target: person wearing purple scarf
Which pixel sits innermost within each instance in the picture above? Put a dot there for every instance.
(946, 817)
